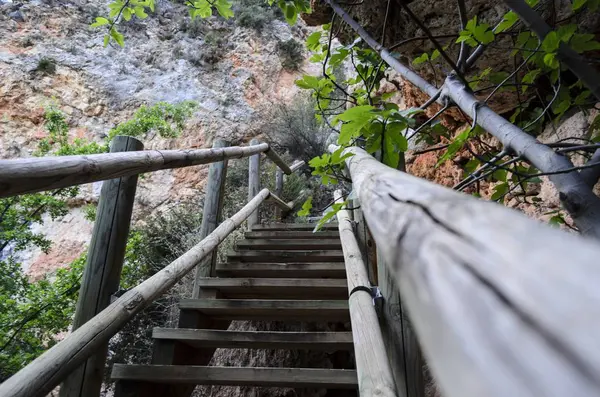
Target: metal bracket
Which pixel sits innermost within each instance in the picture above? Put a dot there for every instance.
(375, 293)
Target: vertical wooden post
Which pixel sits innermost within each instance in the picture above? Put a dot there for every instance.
(401, 342)
(278, 190)
(211, 214)
(253, 183)
(103, 268)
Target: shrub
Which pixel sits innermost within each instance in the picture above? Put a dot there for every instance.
(254, 16)
(46, 65)
(296, 130)
(290, 53)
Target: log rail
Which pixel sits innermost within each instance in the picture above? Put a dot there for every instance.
(101, 320)
(502, 305)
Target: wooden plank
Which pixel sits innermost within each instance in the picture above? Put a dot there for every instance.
(502, 305)
(280, 288)
(288, 270)
(288, 235)
(372, 366)
(47, 371)
(286, 256)
(253, 183)
(295, 244)
(270, 309)
(294, 227)
(202, 338)
(102, 271)
(36, 174)
(238, 376)
(211, 214)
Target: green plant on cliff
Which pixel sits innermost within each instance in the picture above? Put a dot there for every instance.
(543, 87)
(33, 314)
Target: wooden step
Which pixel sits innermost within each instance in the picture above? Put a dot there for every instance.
(270, 309)
(300, 234)
(283, 270)
(285, 256)
(296, 244)
(204, 338)
(238, 376)
(280, 288)
(294, 226)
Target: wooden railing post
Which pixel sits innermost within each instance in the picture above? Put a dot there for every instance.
(103, 268)
(253, 183)
(211, 214)
(278, 190)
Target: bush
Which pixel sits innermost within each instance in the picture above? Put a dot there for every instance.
(254, 16)
(46, 65)
(296, 130)
(290, 53)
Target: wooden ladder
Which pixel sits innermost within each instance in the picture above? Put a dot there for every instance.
(279, 272)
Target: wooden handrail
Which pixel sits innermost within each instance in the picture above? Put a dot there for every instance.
(44, 173)
(502, 305)
(47, 371)
(372, 366)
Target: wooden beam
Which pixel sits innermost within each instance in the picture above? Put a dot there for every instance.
(373, 369)
(286, 256)
(279, 203)
(239, 376)
(292, 244)
(289, 270)
(278, 288)
(202, 338)
(294, 227)
(253, 183)
(289, 235)
(271, 154)
(211, 214)
(269, 309)
(502, 305)
(102, 272)
(297, 165)
(37, 174)
(45, 372)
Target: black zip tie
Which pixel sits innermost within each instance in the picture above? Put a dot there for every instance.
(374, 291)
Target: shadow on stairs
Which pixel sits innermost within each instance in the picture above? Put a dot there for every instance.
(281, 274)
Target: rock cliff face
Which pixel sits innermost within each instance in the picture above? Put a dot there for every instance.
(49, 55)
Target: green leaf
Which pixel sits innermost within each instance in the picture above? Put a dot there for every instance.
(557, 220)
(106, 40)
(118, 37)
(306, 207)
(313, 41)
(455, 146)
(435, 54)
(308, 82)
(581, 98)
(577, 4)
(140, 12)
(584, 42)
(126, 13)
(224, 8)
(551, 42)
(421, 59)
(565, 32)
(100, 21)
(330, 212)
(471, 166)
(551, 61)
(290, 14)
(500, 191)
(483, 34)
(509, 19)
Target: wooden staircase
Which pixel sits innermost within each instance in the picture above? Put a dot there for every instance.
(279, 272)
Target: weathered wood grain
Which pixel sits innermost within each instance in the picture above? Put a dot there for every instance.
(202, 338)
(372, 367)
(45, 372)
(211, 214)
(279, 203)
(37, 174)
(502, 305)
(239, 376)
(274, 157)
(102, 271)
(289, 270)
(253, 183)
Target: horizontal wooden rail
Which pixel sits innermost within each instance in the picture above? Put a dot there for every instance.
(502, 305)
(271, 154)
(47, 371)
(285, 207)
(37, 174)
(372, 366)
